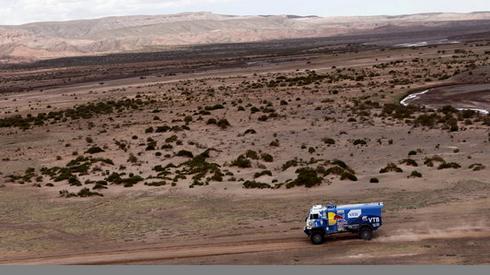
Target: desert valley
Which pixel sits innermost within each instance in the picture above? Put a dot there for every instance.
(119, 147)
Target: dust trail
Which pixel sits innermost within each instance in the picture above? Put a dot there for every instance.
(414, 235)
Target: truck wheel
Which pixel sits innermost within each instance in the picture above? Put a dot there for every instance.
(366, 233)
(317, 238)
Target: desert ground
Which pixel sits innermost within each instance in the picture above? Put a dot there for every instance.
(217, 159)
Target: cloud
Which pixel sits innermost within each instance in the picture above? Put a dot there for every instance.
(23, 11)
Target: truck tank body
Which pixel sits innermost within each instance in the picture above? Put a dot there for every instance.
(352, 211)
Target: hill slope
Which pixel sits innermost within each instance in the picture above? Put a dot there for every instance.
(143, 33)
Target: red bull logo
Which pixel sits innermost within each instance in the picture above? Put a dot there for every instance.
(333, 218)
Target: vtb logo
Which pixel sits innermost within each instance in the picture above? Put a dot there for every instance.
(371, 219)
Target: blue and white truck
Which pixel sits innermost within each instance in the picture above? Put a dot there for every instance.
(362, 219)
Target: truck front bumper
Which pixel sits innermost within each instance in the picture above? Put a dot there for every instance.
(307, 231)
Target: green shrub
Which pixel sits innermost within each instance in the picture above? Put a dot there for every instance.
(476, 167)
(74, 181)
(223, 123)
(250, 132)
(114, 178)
(449, 165)
(157, 183)
(391, 167)
(101, 184)
(347, 175)
(151, 145)
(94, 150)
(409, 162)
(171, 139)
(242, 162)
(251, 154)
(263, 173)
(167, 147)
(85, 192)
(430, 161)
(217, 176)
(328, 141)
(188, 119)
(274, 143)
(307, 177)
(214, 107)
(255, 185)
(263, 118)
(340, 164)
(254, 110)
(129, 182)
(132, 158)
(199, 167)
(267, 157)
(289, 163)
(412, 153)
(162, 129)
(66, 194)
(359, 142)
(185, 154)
(415, 174)
(338, 168)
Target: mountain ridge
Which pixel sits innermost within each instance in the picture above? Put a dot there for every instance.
(115, 34)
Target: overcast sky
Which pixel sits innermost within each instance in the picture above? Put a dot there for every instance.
(23, 11)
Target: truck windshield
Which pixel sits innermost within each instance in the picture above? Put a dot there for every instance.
(313, 216)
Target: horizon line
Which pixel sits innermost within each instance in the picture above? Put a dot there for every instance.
(237, 15)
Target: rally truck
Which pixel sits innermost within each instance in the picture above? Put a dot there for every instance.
(324, 220)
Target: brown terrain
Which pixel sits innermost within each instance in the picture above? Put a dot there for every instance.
(47, 40)
(213, 154)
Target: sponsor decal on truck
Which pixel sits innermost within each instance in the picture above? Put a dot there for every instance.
(354, 213)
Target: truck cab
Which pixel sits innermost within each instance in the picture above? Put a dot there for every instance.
(324, 220)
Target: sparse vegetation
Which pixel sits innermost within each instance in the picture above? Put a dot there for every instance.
(242, 162)
(307, 177)
(199, 167)
(256, 185)
(266, 157)
(449, 165)
(477, 167)
(328, 141)
(409, 162)
(263, 173)
(430, 161)
(83, 111)
(415, 174)
(185, 154)
(83, 193)
(391, 167)
(94, 150)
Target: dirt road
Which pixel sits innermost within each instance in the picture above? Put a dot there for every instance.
(379, 249)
